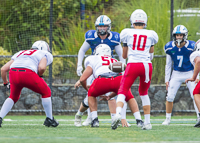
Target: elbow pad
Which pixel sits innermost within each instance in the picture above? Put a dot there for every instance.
(151, 56)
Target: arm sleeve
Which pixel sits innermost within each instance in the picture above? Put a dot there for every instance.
(88, 62)
(118, 50)
(82, 52)
(49, 58)
(154, 38)
(168, 68)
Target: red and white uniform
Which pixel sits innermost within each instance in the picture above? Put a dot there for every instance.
(192, 57)
(102, 85)
(139, 42)
(23, 73)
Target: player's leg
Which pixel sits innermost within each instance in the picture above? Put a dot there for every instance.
(38, 85)
(15, 90)
(196, 94)
(112, 106)
(191, 87)
(174, 85)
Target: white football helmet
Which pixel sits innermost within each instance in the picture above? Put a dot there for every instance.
(197, 46)
(102, 50)
(180, 29)
(103, 20)
(41, 45)
(138, 16)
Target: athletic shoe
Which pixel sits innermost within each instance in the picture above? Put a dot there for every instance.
(95, 122)
(116, 121)
(50, 122)
(1, 121)
(87, 122)
(77, 121)
(198, 123)
(167, 121)
(139, 123)
(147, 126)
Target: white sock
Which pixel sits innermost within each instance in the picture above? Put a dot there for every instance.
(118, 110)
(146, 118)
(89, 113)
(46, 102)
(168, 115)
(93, 114)
(7, 106)
(137, 115)
(112, 115)
(196, 109)
(79, 113)
(124, 110)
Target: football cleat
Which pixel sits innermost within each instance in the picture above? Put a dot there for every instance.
(95, 122)
(50, 122)
(1, 121)
(87, 122)
(147, 126)
(198, 123)
(77, 121)
(139, 123)
(116, 121)
(167, 121)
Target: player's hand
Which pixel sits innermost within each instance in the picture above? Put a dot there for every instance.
(190, 79)
(124, 123)
(104, 98)
(167, 85)
(196, 81)
(7, 85)
(79, 70)
(77, 84)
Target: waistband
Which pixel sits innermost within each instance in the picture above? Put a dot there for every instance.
(21, 70)
(109, 75)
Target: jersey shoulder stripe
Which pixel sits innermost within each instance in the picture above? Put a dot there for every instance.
(90, 34)
(168, 46)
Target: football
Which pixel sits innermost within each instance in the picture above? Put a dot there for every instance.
(117, 67)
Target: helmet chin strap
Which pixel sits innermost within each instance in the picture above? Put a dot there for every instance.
(179, 41)
(102, 32)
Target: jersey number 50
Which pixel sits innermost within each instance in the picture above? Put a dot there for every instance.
(135, 36)
(107, 60)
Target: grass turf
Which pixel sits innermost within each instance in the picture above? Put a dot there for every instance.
(30, 129)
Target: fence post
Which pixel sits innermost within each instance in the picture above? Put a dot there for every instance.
(171, 19)
(82, 6)
(50, 41)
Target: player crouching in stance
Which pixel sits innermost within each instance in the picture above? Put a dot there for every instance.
(195, 60)
(105, 81)
(178, 51)
(138, 46)
(25, 70)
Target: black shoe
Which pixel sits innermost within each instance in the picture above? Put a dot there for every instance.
(198, 123)
(95, 122)
(139, 123)
(50, 122)
(1, 121)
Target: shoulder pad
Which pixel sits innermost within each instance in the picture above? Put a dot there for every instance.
(90, 34)
(115, 36)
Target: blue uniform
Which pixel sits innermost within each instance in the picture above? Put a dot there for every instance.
(180, 56)
(92, 38)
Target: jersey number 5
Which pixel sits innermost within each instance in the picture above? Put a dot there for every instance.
(135, 36)
(107, 60)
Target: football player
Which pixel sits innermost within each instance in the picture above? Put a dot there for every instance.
(195, 60)
(102, 35)
(178, 51)
(105, 81)
(26, 68)
(138, 46)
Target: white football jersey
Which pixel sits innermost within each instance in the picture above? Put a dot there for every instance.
(99, 64)
(193, 56)
(139, 42)
(30, 59)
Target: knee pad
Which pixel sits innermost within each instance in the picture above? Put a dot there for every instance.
(86, 106)
(145, 100)
(85, 102)
(170, 99)
(121, 98)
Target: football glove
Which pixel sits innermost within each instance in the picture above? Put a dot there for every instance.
(79, 70)
(7, 85)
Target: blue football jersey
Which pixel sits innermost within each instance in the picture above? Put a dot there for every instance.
(92, 38)
(180, 56)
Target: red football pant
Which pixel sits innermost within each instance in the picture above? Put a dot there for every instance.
(133, 70)
(21, 77)
(102, 86)
(197, 89)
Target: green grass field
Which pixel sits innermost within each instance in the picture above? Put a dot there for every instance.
(30, 129)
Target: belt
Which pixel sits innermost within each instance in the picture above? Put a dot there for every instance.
(18, 70)
(109, 75)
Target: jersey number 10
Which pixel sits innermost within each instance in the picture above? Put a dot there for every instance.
(135, 36)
